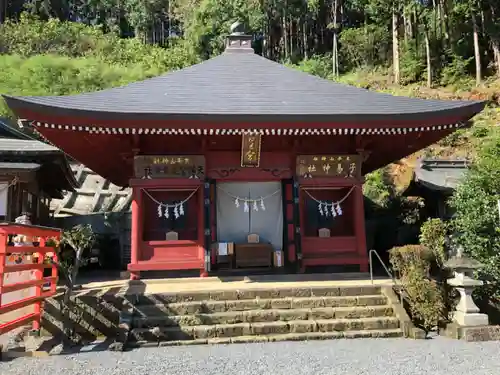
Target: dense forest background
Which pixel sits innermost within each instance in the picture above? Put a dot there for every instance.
(425, 48)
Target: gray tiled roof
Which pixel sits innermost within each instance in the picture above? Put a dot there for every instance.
(243, 84)
(8, 145)
(25, 166)
(440, 174)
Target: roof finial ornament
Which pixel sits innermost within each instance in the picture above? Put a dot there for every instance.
(237, 28)
(238, 40)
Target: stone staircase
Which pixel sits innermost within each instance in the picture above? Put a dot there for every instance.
(261, 315)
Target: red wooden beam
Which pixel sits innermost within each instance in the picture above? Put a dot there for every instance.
(166, 183)
(29, 249)
(23, 303)
(29, 230)
(27, 284)
(19, 322)
(26, 267)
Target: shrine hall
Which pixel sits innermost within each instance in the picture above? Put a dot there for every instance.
(241, 163)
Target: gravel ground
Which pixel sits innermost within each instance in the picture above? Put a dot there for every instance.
(354, 357)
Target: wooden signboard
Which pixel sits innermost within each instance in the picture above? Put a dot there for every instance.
(344, 166)
(250, 150)
(169, 166)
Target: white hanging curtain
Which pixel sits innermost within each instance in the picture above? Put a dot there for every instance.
(264, 218)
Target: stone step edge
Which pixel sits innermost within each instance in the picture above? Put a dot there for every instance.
(379, 333)
(278, 312)
(269, 292)
(264, 300)
(391, 319)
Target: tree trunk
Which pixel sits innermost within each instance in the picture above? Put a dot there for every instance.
(66, 303)
(444, 22)
(495, 42)
(405, 24)
(2, 10)
(395, 46)
(305, 39)
(335, 59)
(495, 45)
(285, 35)
(477, 52)
(428, 57)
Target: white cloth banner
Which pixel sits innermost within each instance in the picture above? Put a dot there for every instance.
(234, 224)
(4, 197)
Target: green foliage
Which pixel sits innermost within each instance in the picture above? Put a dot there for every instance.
(366, 46)
(412, 65)
(377, 188)
(433, 237)
(320, 66)
(456, 70)
(31, 36)
(477, 221)
(62, 58)
(424, 296)
(76, 240)
(79, 237)
(57, 75)
(405, 259)
(207, 24)
(425, 299)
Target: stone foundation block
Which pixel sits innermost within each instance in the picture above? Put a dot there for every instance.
(232, 330)
(303, 326)
(269, 328)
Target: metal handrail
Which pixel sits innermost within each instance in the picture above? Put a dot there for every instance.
(370, 257)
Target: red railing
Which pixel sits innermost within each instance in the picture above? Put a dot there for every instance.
(23, 258)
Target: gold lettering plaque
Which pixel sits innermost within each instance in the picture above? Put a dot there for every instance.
(344, 166)
(169, 166)
(250, 150)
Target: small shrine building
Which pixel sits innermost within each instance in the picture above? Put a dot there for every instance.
(240, 161)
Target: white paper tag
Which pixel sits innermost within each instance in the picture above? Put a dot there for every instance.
(278, 258)
(222, 248)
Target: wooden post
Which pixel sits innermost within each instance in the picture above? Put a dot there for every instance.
(204, 225)
(298, 211)
(3, 258)
(359, 217)
(136, 230)
(39, 287)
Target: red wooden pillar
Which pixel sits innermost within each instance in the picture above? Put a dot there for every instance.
(202, 206)
(359, 215)
(136, 230)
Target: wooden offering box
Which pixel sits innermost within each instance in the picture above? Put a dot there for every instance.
(254, 255)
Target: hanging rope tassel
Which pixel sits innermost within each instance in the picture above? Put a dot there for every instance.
(176, 212)
(166, 212)
(332, 209)
(160, 210)
(255, 207)
(339, 209)
(237, 203)
(320, 209)
(262, 207)
(181, 209)
(245, 207)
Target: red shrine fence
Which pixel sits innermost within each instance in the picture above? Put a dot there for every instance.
(24, 259)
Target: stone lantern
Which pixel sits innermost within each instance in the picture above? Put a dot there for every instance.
(466, 312)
